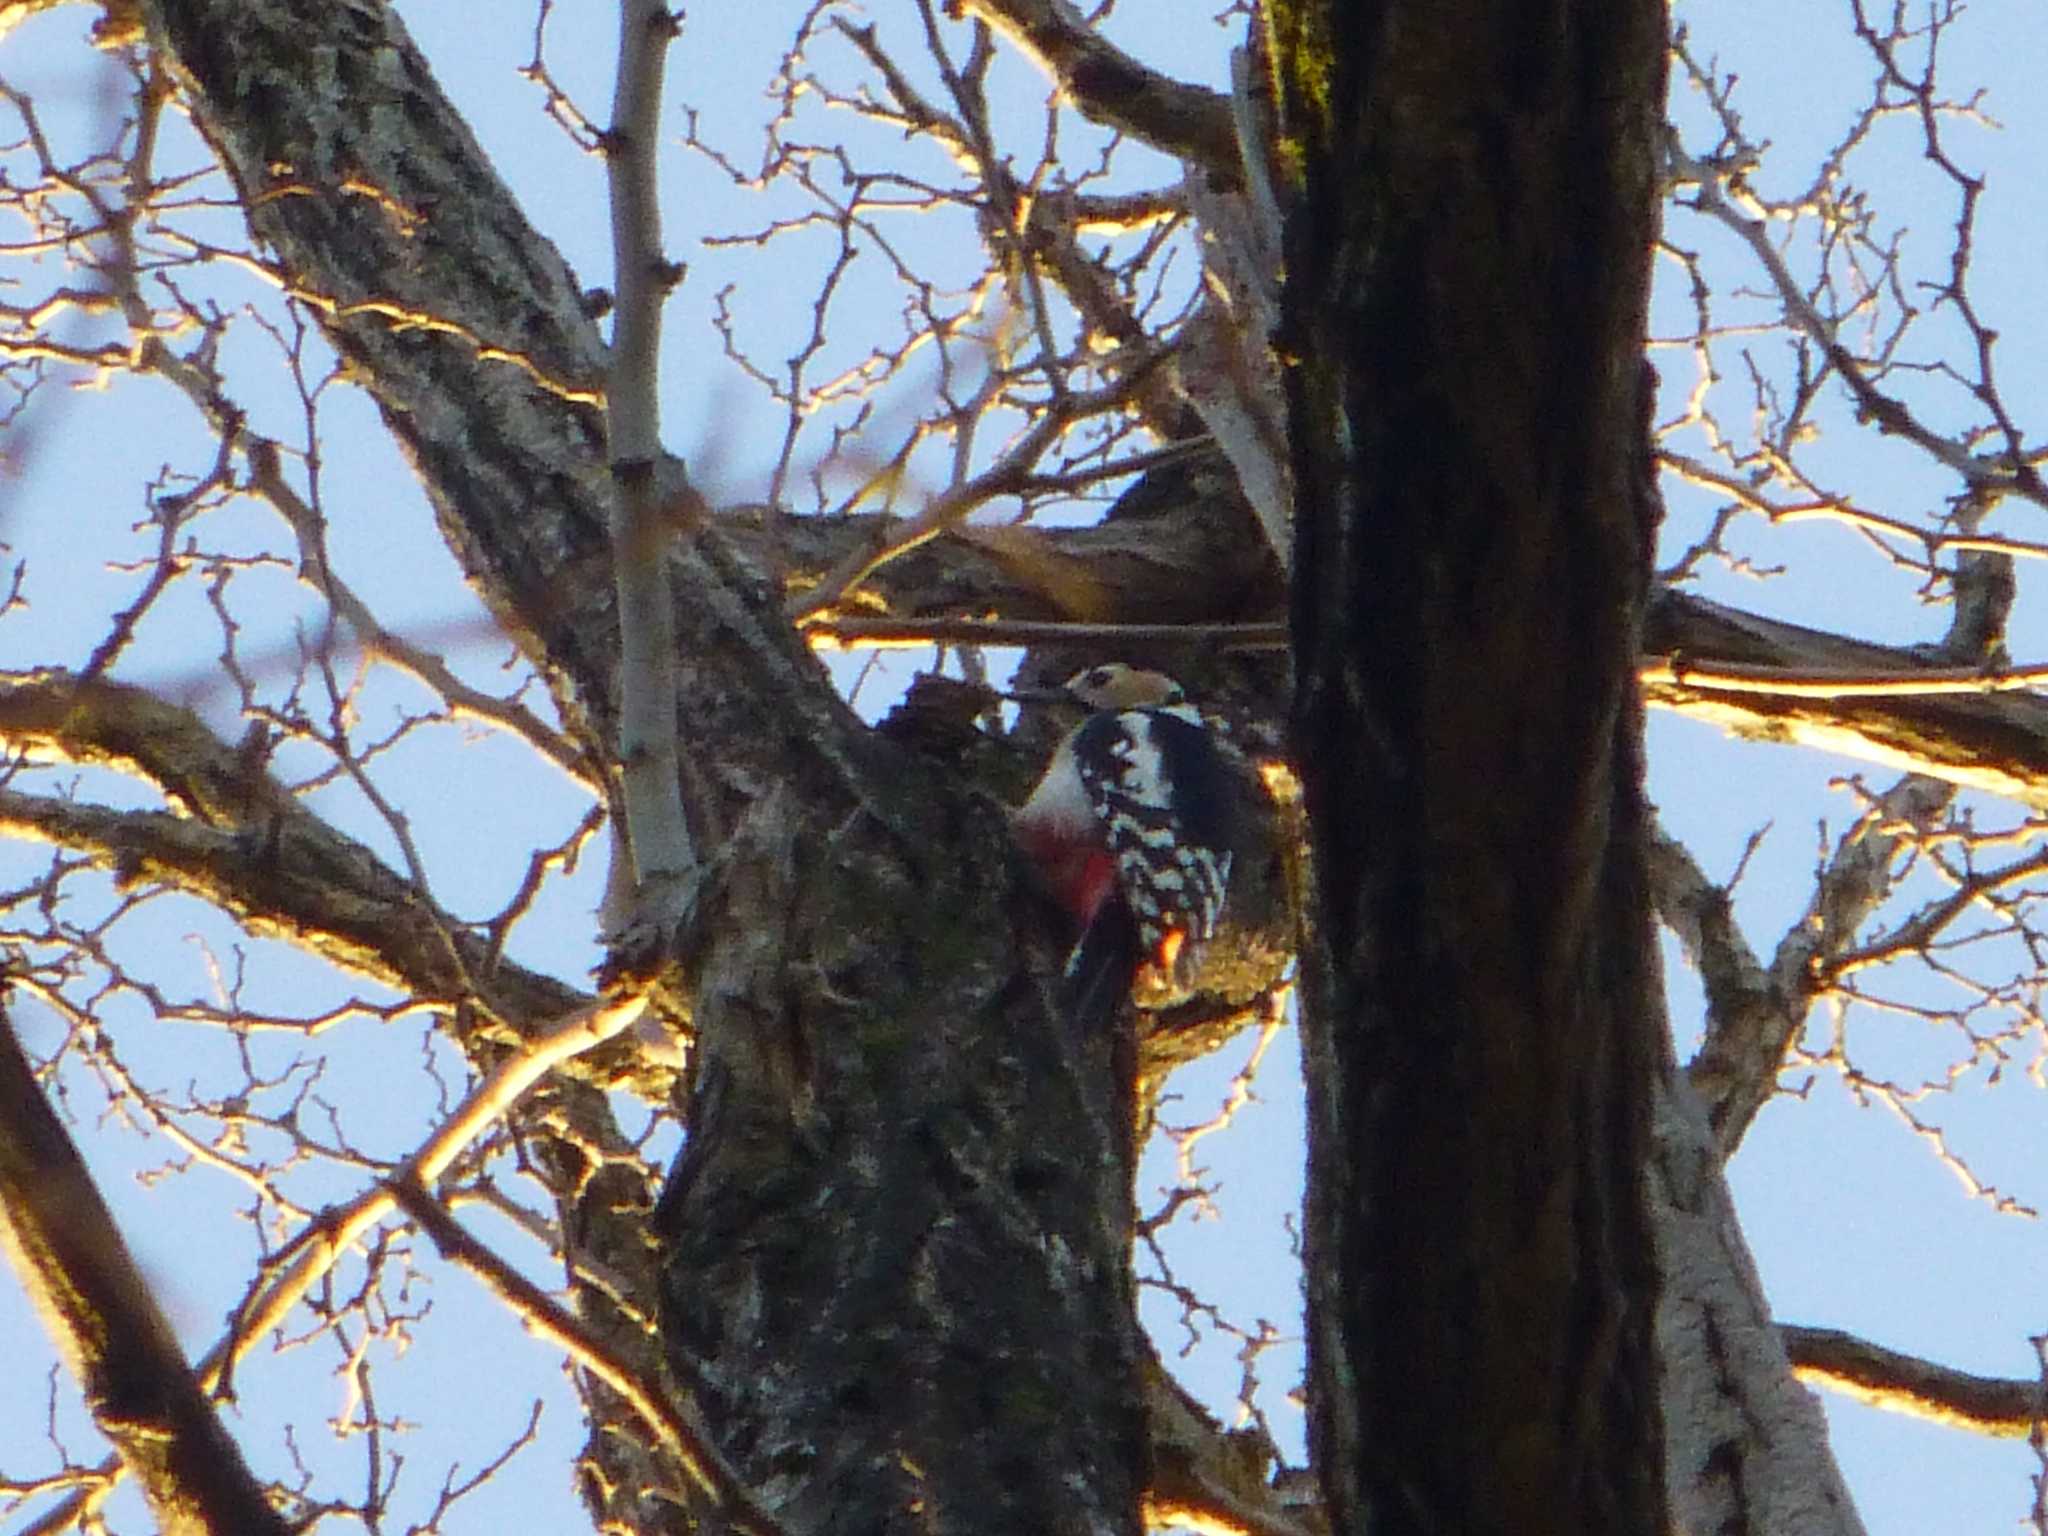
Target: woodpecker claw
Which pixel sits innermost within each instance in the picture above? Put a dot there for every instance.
(1171, 943)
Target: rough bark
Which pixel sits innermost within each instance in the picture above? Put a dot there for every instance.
(1467, 278)
(897, 1242)
(1746, 1448)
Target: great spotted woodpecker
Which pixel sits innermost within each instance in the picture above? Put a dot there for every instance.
(1130, 825)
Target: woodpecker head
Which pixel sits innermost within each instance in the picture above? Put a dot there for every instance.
(1119, 685)
(1113, 685)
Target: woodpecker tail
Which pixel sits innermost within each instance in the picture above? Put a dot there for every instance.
(1100, 970)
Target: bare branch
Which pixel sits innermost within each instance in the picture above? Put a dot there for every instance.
(69, 1255)
(656, 830)
(1108, 86)
(723, 1495)
(248, 846)
(320, 1245)
(1756, 1012)
(2008, 1408)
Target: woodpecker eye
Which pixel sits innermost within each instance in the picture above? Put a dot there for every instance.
(1099, 678)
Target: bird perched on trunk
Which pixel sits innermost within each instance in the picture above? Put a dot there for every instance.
(1132, 826)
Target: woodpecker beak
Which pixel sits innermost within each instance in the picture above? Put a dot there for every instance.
(1057, 694)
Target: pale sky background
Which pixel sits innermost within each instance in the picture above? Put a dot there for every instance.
(1854, 1222)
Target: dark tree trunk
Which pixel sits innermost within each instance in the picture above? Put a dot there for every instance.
(1467, 277)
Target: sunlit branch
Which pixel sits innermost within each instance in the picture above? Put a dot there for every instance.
(1051, 220)
(834, 632)
(1755, 1012)
(2003, 1407)
(402, 320)
(1789, 683)
(1674, 671)
(297, 880)
(322, 1244)
(726, 1495)
(1932, 541)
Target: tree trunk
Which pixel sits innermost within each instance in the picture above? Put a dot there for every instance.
(897, 1244)
(1467, 280)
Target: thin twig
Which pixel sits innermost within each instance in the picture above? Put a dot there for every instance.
(730, 1501)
